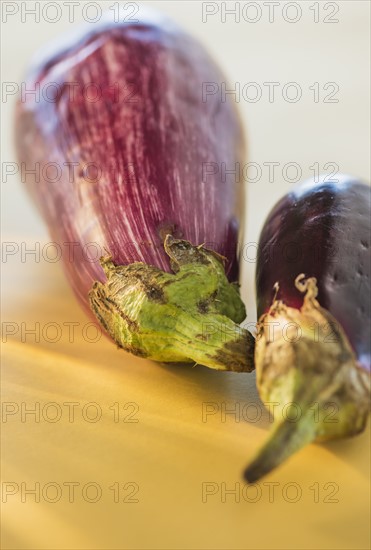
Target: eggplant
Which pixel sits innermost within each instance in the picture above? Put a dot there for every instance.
(123, 117)
(312, 352)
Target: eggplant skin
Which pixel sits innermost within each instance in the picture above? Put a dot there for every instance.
(147, 145)
(321, 230)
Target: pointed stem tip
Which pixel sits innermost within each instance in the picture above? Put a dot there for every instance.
(287, 438)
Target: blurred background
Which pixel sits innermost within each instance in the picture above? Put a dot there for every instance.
(166, 455)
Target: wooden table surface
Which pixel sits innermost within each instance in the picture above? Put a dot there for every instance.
(148, 454)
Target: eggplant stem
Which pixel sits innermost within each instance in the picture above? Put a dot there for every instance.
(286, 438)
(191, 315)
(306, 370)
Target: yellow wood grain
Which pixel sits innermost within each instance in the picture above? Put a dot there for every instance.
(182, 464)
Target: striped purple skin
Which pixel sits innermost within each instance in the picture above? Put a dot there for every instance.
(149, 150)
(322, 230)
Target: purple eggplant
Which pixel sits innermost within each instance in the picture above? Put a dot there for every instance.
(129, 148)
(312, 352)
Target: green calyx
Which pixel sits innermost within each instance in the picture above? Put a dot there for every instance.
(318, 390)
(189, 316)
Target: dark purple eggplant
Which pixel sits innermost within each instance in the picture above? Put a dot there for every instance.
(139, 151)
(312, 353)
